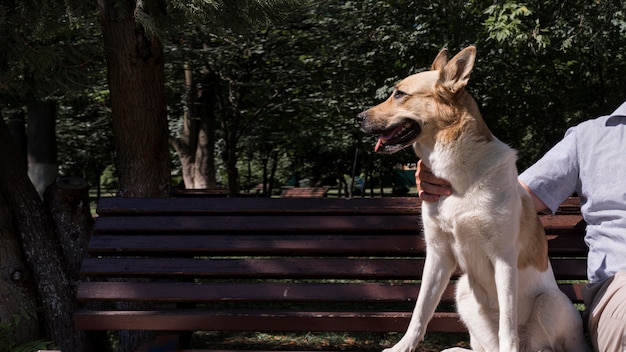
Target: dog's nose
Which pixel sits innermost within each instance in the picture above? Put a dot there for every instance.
(361, 117)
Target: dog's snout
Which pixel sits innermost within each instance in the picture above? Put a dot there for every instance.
(360, 118)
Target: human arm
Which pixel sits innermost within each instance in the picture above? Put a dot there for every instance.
(555, 176)
(430, 187)
(539, 205)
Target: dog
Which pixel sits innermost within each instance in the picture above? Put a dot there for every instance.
(507, 296)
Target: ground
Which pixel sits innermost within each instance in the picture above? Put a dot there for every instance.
(363, 342)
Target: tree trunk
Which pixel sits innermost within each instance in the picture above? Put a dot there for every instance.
(265, 159)
(231, 170)
(42, 146)
(40, 247)
(135, 64)
(17, 289)
(230, 125)
(188, 140)
(204, 158)
(135, 68)
(195, 146)
(67, 200)
(205, 152)
(16, 121)
(206, 141)
(270, 188)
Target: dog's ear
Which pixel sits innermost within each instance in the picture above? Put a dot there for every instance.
(455, 74)
(440, 61)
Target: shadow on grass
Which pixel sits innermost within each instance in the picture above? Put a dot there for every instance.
(364, 342)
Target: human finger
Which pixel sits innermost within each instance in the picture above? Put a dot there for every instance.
(430, 187)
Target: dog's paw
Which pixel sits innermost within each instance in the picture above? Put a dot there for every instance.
(401, 347)
(392, 349)
(396, 349)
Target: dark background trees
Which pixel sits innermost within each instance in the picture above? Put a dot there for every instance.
(286, 94)
(218, 96)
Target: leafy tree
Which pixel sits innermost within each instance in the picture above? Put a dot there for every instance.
(546, 66)
(39, 65)
(132, 33)
(288, 93)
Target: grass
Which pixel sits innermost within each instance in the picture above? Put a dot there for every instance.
(364, 342)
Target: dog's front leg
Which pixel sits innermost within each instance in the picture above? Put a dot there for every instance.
(506, 276)
(438, 268)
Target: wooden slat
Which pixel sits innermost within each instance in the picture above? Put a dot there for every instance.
(207, 205)
(255, 292)
(187, 292)
(569, 268)
(563, 224)
(304, 192)
(567, 245)
(179, 206)
(230, 320)
(185, 223)
(330, 268)
(214, 192)
(294, 244)
(556, 225)
(251, 292)
(569, 206)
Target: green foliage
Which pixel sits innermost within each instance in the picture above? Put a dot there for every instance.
(161, 17)
(46, 50)
(306, 79)
(290, 89)
(87, 143)
(8, 329)
(507, 23)
(108, 179)
(558, 65)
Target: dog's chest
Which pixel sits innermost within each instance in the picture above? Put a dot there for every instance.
(445, 213)
(452, 220)
(469, 248)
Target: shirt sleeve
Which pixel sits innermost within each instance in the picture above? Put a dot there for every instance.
(556, 175)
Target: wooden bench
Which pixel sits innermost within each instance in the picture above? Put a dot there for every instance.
(304, 192)
(261, 264)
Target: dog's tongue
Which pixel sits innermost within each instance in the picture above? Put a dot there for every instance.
(379, 143)
(385, 137)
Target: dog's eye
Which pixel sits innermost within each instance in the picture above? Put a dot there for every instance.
(398, 94)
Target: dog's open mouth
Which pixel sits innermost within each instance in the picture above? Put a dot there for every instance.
(397, 137)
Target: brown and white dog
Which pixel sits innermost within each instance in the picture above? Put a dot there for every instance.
(507, 297)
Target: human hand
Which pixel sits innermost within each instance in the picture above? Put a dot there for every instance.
(430, 187)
